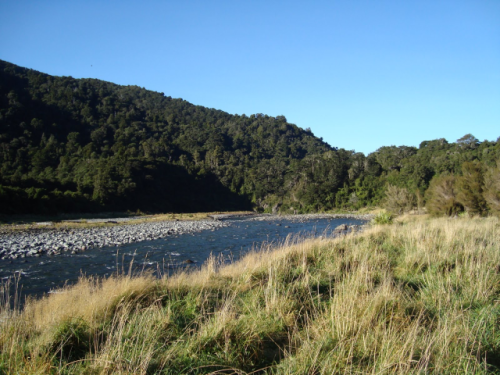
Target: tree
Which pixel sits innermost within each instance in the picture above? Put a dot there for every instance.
(468, 141)
(491, 190)
(392, 157)
(470, 188)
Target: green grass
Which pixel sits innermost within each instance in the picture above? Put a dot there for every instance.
(420, 296)
(383, 218)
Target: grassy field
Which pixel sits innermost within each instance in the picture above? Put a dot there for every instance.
(417, 296)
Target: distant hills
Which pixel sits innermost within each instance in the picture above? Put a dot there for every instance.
(85, 145)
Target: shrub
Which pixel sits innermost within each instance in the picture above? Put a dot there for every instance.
(470, 188)
(491, 191)
(441, 196)
(383, 218)
(398, 200)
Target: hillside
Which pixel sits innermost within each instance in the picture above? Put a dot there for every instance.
(85, 145)
(68, 143)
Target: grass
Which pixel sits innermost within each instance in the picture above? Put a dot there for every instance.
(414, 297)
(383, 218)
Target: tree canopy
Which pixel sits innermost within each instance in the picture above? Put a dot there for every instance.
(75, 145)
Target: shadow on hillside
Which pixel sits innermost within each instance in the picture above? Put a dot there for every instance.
(170, 188)
(159, 188)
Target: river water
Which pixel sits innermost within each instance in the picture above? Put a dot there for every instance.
(45, 274)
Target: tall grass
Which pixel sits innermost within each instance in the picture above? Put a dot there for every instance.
(417, 296)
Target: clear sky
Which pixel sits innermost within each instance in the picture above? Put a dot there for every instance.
(360, 73)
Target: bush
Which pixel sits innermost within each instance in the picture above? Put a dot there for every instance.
(441, 196)
(470, 188)
(383, 218)
(398, 200)
(491, 191)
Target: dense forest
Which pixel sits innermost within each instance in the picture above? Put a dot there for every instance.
(85, 145)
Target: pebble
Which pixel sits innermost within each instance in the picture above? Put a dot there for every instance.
(34, 243)
(31, 243)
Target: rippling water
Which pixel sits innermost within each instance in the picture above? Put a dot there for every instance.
(47, 273)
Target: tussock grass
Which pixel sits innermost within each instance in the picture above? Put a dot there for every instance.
(417, 296)
(383, 218)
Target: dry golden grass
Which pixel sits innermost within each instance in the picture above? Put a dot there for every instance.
(418, 296)
(90, 299)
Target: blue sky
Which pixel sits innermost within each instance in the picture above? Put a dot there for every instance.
(360, 73)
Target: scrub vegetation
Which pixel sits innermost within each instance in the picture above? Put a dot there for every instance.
(419, 295)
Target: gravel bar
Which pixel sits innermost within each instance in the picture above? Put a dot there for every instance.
(36, 242)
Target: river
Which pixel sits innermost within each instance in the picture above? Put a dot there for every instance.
(39, 275)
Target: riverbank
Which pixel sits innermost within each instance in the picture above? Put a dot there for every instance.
(51, 241)
(417, 296)
(75, 221)
(37, 241)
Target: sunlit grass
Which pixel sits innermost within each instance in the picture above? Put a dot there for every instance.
(417, 296)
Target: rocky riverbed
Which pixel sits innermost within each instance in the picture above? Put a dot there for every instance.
(36, 242)
(50, 241)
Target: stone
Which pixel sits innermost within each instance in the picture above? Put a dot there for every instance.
(341, 228)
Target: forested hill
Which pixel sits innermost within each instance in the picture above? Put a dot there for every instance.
(85, 144)
(80, 145)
